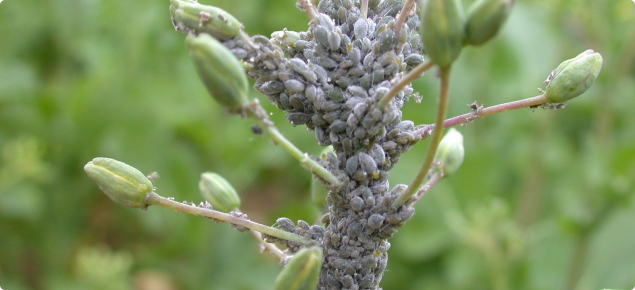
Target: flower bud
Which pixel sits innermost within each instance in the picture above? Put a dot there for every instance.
(573, 77)
(220, 71)
(485, 18)
(302, 272)
(121, 182)
(450, 153)
(191, 17)
(285, 38)
(215, 189)
(442, 30)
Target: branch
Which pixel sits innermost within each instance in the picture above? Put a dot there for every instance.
(364, 9)
(480, 112)
(403, 82)
(308, 8)
(155, 199)
(258, 113)
(403, 14)
(272, 248)
(432, 181)
(434, 144)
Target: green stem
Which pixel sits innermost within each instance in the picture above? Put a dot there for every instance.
(434, 143)
(258, 113)
(155, 199)
(403, 82)
(483, 112)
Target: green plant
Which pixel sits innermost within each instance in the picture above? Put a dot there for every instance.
(346, 79)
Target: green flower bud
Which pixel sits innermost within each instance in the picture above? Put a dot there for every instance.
(220, 71)
(485, 18)
(215, 189)
(285, 38)
(573, 77)
(450, 153)
(302, 272)
(191, 17)
(442, 30)
(121, 182)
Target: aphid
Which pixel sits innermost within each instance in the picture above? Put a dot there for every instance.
(256, 129)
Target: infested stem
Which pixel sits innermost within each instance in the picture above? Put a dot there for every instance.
(403, 82)
(154, 199)
(432, 181)
(258, 113)
(442, 109)
(483, 112)
(403, 14)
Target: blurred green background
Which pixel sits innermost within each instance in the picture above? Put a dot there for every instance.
(543, 200)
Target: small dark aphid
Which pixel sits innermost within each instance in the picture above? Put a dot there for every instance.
(256, 129)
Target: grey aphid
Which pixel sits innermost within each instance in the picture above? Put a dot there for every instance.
(357, 91)
(311, 93)
(322, 35)
(326, 21)
(334, 40)
(326, 62)
(378, 154)
(284, 101)
(332, 116)
(359, 175)
(351, 164)
(367, 281)
(414, 60)
(367, 163)
(297, 101)
(386, 40)
(360, 133)
(347, 281)
(356, 71)
(335, 94)
(318, 120)
(294, 86)
(285, 224)
(354, 229)
(387, 58)
(272, 87)
(368, 122)
(360, 28)
(355, 55)
(338, 126)
(298, 118)
(357, 203)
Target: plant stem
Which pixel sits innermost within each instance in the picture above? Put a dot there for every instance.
(258, 113)
(434, 143)
(155, 199)
(403, 82)
(403, 14)
(364, 9)
(308, 8)
(479, 113)
(436, 177)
